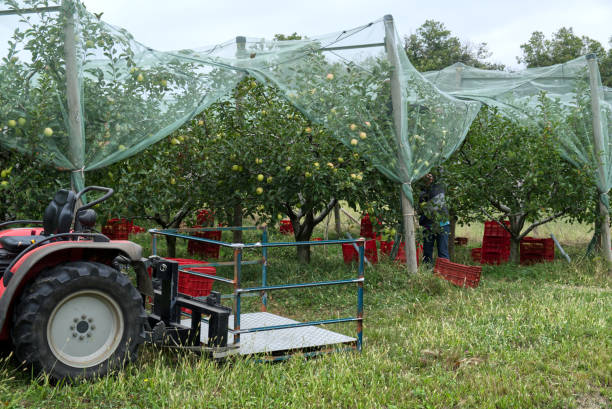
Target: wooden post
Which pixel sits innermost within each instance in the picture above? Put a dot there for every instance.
(73, 97)
(398, 111)
(598, 151)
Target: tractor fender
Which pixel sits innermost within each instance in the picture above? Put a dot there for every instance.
(30, 265)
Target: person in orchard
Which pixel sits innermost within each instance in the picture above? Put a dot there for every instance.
(434, 219)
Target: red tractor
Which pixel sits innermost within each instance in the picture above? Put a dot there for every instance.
(68, 309)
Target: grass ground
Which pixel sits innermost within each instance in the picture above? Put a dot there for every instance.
(527, 337)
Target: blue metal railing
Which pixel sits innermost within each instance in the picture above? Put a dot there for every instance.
(238, 262)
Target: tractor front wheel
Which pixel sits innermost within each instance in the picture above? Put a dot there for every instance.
(79, 320)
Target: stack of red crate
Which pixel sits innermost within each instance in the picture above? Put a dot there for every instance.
(458, 274)
(495, 243)
(286, 227)
(209, 250)
(205, 217)
(117, 229)
(366, 227)
(537, 250)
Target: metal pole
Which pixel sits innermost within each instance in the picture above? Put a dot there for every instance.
(598, 151)
(360, 296)
(237, 287)
(396, 97)
(264, 271)
(73, 96)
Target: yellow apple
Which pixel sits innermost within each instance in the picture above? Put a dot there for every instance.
(260, 177)
(12, 123)
(140, 78)
(340, 159)
(330, 76)
(259, 190)
(48, 132)
(354, 142)
(269, 179)
(363, 135)
(353, 127)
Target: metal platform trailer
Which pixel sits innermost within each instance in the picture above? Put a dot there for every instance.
(223, 331)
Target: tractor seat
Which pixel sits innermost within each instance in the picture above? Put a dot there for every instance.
(16, 244)
(57, 219)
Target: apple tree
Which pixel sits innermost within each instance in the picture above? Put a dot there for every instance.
(506, 170)
(260, 152)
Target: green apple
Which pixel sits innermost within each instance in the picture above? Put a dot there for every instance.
(12, 123)
(21, 121)
(48, 132)
(259, 190)
(260, 177)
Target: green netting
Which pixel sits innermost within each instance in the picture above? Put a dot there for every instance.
(130, 96)
(559, 95)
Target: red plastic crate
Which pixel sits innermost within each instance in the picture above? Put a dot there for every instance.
(205, 217)
(387, 246)
(117, 229)
(350, 254)
(493, 229)
(477, 254)
(366, 227)
(193, 285)
(536, 250)
(209, 250)
(458, 274)
(493, 256)
(286, 227)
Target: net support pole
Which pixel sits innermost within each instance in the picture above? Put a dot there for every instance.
(598, 150)
(73, 95)
(396, 98)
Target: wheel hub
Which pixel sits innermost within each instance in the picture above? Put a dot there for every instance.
(85, 328)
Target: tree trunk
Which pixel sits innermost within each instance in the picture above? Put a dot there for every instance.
(171, 246)
(451, 238)
(516, 226)
(337, 219)
(236, 222)
(515, 256)
(303, 232)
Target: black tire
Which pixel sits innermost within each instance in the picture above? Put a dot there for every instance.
(47, 336)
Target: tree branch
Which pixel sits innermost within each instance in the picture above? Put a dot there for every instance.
(536, 224)
(325, 211)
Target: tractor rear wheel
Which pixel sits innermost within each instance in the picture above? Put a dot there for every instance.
(79, 320)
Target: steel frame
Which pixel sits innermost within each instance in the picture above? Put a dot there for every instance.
(239, 291)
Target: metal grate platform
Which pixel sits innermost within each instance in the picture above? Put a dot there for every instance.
(278, 340)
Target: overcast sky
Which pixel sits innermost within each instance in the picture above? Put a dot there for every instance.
(503, 25)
